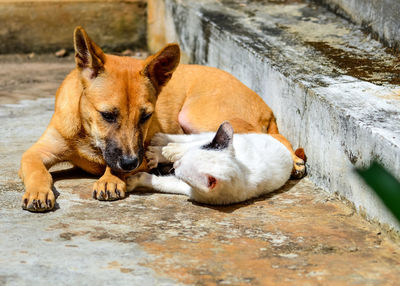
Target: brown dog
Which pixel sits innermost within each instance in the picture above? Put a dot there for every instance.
(109, 107)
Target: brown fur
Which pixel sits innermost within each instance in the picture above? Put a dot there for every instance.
(301, 154)
(136, 102)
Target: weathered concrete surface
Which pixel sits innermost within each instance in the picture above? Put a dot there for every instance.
(333, 90)
(24, 78)
(46, 26)
(379, 17)
(296, 236)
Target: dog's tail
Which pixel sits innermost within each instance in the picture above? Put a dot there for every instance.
(301, 154)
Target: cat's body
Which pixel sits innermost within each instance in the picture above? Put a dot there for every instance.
(219, 168)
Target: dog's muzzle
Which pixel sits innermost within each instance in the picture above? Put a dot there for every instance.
(120, 162)
(128, 163)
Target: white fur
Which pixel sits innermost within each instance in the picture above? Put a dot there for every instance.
(253, 165)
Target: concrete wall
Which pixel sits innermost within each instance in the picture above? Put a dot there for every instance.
(46, 26)
(381, 17)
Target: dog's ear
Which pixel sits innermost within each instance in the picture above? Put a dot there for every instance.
(89, 57)
(159, 67)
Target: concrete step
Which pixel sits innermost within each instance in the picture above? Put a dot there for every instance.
(298, 235)
(379, 17)
(334, 90)
(45, 26)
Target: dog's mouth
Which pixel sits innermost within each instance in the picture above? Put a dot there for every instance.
(124, 164)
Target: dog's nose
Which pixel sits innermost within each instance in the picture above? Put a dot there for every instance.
(129, 163)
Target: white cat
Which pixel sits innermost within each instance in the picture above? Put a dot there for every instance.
(220, 168)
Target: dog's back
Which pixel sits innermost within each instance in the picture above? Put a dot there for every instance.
(202, 97)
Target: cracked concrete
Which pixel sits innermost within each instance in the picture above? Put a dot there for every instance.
(298, 235)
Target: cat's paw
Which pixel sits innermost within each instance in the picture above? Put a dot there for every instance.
(160, 139)
(140, 179)
(153, 156)
(172, 152)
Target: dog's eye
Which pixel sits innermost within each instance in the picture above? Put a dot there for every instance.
(145, 116)
(110, 117)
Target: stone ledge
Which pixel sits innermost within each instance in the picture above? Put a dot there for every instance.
(334, 91)
(379, 17)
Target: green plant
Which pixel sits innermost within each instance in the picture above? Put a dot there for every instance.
(385, 186)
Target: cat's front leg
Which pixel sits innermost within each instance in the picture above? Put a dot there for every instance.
(174, 151)
(164, 184)
(162, 139)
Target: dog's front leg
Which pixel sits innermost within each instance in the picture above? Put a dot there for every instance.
(34, 172)
(38, 182)
(109, 187)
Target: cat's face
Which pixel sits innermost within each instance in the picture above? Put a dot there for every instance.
(210, 167)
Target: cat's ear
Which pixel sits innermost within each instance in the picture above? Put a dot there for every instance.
(222, 139)
(211, 182)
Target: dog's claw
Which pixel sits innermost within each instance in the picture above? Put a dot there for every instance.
(38, 201)
(109, 189)
(34, 205)
(101, 196)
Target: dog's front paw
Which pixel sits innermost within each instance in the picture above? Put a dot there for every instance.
(140, 179)
(109, 188)
(153, 156)
(160, 139)
(38, 200)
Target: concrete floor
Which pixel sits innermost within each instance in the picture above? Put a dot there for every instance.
(298, 235)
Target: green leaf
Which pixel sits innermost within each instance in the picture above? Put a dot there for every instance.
(385, 186)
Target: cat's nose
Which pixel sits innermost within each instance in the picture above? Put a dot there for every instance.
(177, 164)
